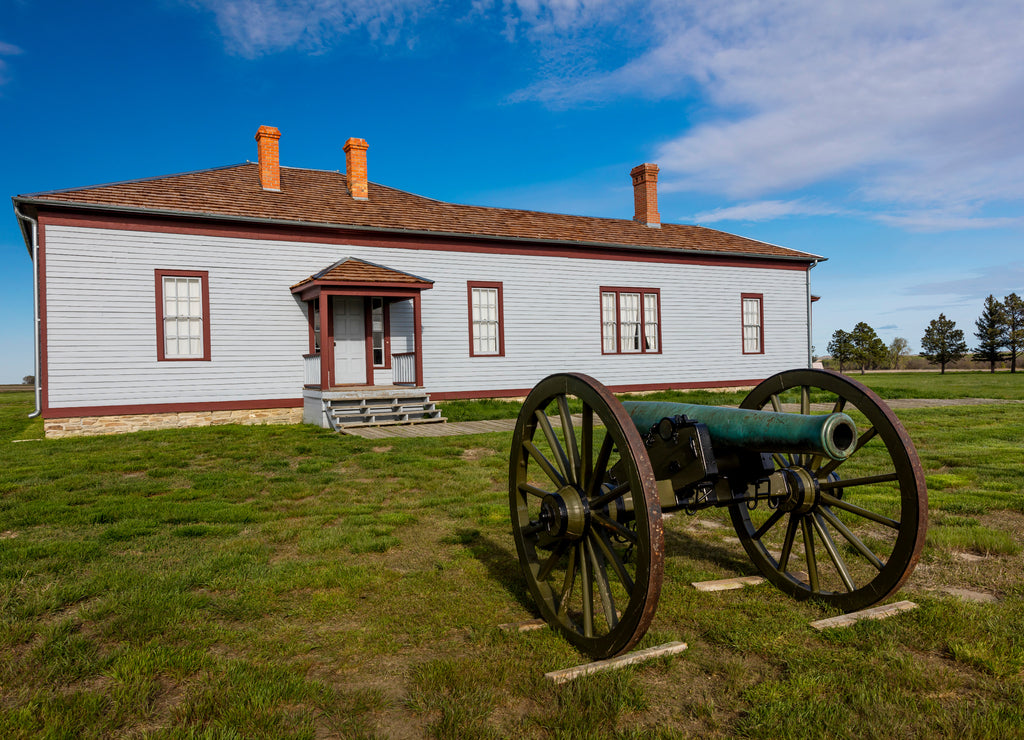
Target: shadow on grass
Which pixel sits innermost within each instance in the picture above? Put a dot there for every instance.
(502, 565)
(681, 545)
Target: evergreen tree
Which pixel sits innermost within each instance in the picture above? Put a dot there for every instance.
(899, 349)
(840, 347)
(942, 342)
(991, 331)
(868, 349)
(1013, 327)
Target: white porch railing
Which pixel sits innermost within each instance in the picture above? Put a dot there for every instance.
(312, 369)
(403, 368)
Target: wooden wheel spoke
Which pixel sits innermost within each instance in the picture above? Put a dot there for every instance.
(555, 556)
(568, 472)
(776, 404)
(809, 554)
(608, 497)
(787, 543)
(833, 552)
(780, 460)
(588, 591)
(763, 529)
(866, 436)
(839, 405)
(614, 526)
(805, 400)
(569, 435)
(859, 511)
(603, 587)
(533, 528)
(613, 557)
(600, 466)
(533, 490)
(567, 584)
(850, 537)
(545, 465)
(587, 442)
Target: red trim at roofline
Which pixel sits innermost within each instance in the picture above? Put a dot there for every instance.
(312, 234)
(169, 408)
(627, 388)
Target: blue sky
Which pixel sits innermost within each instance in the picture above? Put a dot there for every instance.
(886, 136)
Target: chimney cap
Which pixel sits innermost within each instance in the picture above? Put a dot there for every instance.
(354, 143)
(268, 131)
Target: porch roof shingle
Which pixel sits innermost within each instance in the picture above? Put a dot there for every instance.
(320, 197)
(354, 270)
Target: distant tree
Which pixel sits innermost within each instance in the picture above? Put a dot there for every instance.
(840, 347)
(1013, 328)
(942, 342)
(991, 329)
(898, 351)
(868, 349)
(29, 380)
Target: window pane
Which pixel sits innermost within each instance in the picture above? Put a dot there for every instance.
(752, 325)
(183, 317)
(485, 321)
(651, 322)
(629, 321)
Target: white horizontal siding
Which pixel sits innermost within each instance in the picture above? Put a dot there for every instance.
(101, 318)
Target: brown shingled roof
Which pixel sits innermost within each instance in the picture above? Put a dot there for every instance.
(354, 270)
(321, 197)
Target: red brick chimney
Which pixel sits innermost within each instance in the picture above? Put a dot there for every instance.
(270, 162)
(645, 195)
(355, 168)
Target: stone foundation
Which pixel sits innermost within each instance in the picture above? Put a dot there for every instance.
(79, 426)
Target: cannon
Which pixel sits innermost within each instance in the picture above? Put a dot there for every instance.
(823, 486)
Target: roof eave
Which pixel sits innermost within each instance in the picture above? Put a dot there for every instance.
(37, 202)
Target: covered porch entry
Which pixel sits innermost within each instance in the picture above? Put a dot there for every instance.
(365, 335)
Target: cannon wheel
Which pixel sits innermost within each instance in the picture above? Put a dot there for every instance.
(585, 515)
(855, 542)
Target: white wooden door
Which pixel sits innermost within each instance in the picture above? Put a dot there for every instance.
(349, 341)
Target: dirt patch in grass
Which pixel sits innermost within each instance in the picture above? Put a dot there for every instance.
(476, 453)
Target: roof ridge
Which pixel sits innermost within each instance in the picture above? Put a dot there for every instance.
(134, 180)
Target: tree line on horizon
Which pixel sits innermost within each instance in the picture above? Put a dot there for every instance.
(999, 330)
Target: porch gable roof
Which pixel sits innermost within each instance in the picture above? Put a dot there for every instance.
(352, 272)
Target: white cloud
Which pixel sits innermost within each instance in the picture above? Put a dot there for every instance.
(255, 27)
(6, 50)
(918, 102)
(764, 210)
(935, 221)
(998, 280)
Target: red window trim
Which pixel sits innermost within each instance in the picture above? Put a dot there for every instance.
(760, 306)
(204, 277)
(368, 312)
(470, 285)
(618, 317)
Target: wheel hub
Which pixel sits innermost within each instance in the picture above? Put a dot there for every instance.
(803, 490)
(565, 513)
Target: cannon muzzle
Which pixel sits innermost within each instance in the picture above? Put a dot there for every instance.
(832, 435)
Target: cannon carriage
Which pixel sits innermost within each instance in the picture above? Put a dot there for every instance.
(823, 486)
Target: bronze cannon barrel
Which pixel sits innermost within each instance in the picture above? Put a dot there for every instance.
(832, 435)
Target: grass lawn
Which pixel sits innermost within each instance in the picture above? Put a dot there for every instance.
(286, 582)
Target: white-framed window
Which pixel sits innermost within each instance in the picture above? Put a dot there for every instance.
(753, 323)
(183, 315)
(486, 332)
(630, 320)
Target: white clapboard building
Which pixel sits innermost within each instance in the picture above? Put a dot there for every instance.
(257, 293)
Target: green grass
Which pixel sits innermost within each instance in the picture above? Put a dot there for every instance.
(286, 582)
(970, 384)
